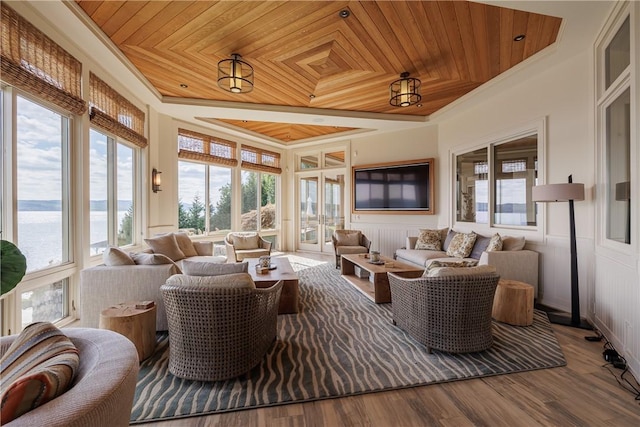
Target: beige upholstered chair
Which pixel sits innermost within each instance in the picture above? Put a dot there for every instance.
(219, 326)
(449, 313)
(349, 242)
(103, 389)
(241, 245)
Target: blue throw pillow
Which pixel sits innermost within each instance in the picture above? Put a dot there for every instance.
(480, 246)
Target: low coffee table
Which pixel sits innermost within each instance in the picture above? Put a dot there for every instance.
(376, 286)
(283, 271)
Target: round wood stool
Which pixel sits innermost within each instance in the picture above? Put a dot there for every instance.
(513, 303)
(137, 324)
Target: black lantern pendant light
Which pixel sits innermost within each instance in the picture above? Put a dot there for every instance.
(405, 91)
(235, 75)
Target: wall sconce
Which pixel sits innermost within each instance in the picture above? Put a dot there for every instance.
(155, 180)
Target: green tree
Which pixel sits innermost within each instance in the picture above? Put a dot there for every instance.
(183, 216)
(221, 214)
(249, 192)
(196, 215)
(125, 233)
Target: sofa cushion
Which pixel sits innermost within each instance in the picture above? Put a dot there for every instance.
(351, 238)
(481, 244)
(429, 240)
(39, 366)
(447, 240)
(495, 244)
(460, 271)
(186, 245)
(418, 257)
(461, 245)
(141, 258)
(113, 256)
(166, 245)
(201, 268)
(241, 241)
(510, 243)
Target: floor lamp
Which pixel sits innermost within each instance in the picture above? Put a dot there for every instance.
(566, 193)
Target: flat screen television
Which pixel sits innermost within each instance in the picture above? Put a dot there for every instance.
(394, 187)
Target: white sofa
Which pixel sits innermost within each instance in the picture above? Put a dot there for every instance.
(520, 264)
(102, 286)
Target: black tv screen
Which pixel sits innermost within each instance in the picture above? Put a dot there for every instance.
(399, 187)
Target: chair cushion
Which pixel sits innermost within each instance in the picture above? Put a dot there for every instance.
(201, 268)
(495, 244)
(346, 250)
(113, 256)
(234, 280)
(448, 262)
(38, 366)
(166, 245)
(460, 271)
(429, 240)
(461, 245)
(251, 253)
(186, 245)
(348, 238)
(241, 241)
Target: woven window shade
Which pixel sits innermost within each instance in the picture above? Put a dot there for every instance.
(205, 148)
(31, 61)
(260, 160)
(114, 113)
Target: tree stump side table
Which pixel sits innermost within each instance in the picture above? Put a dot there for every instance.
(137, 324)
(513, 303)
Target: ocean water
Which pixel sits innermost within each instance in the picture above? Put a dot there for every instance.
(40, 236)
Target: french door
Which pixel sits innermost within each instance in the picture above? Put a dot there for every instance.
(321, 197)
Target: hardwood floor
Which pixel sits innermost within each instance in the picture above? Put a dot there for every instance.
(583, 393)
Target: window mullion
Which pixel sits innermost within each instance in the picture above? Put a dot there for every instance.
(112, 201)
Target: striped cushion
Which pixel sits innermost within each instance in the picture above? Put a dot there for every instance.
(38, 366)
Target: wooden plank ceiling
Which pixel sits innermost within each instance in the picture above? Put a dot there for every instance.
(306, 55)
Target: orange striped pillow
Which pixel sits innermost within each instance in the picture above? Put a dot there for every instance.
(38, 366)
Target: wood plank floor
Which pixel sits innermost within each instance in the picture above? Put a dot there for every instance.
(583, 393)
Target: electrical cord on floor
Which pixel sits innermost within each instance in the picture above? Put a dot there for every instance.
(614, 359)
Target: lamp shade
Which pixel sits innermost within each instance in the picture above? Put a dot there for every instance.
(557, 192)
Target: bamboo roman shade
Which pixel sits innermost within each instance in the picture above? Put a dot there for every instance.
(114, 113)
(204, 148)
(31, 61)
(260, 160)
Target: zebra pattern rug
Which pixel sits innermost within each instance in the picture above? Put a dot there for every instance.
(340, 344)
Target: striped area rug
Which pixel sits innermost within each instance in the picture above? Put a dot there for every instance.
(339, 344)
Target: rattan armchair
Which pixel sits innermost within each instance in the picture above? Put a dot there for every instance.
(451, 313)
(349, 242)
(219, 326)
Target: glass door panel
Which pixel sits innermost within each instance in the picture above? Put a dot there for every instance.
(333, 215)
(308, 213)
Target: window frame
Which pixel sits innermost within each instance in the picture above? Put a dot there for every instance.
(538, 128)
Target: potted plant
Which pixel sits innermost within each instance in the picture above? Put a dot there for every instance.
(13, 265)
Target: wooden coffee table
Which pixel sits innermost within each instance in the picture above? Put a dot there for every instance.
(376, 286)
(283, 271)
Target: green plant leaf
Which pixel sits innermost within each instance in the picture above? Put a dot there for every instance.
(13, 265)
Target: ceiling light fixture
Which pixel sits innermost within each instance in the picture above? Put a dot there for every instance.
(184, 85)
(344, 13)
(519, 38)
(235, 75)
(405, 91)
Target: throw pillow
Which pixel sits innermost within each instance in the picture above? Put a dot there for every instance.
(241, 242)
(461, 271)
(429, 240)
(447, 241)
(39, 365)
(166, 245)
(351, 238)
(495, 244)
(461, 245)
(186, 245)
(439, 264)
(203, 268)
(141, 258)
(481, 245)
(513, 243)
(113, 256)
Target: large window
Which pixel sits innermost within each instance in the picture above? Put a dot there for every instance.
(496, 189)
(111, 188)
(258, 190)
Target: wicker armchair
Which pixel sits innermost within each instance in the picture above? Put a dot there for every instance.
(451, 313)
(349, 242)
(219, 326)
